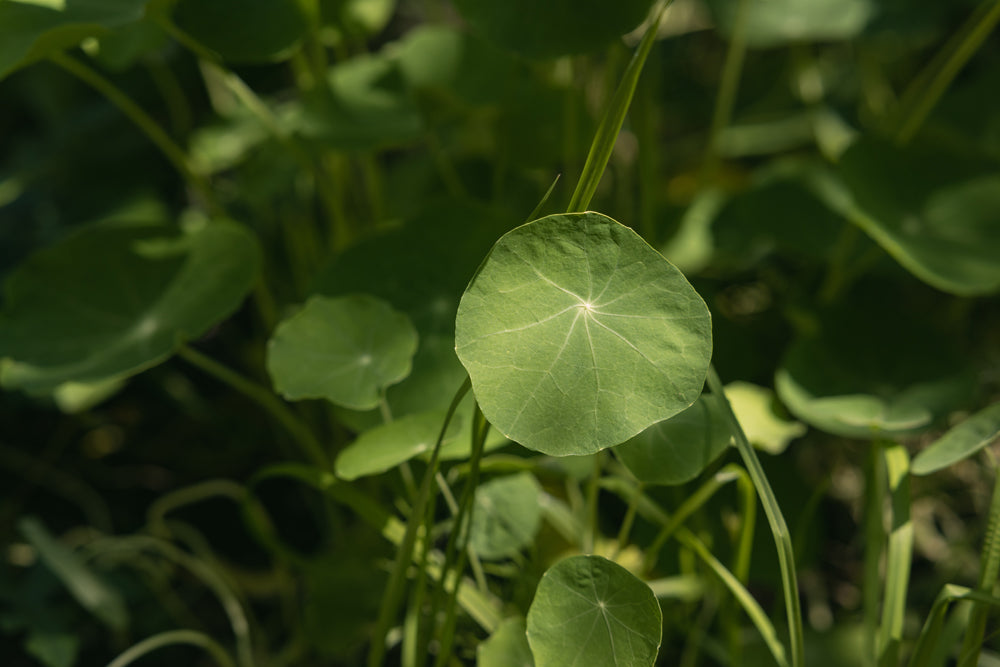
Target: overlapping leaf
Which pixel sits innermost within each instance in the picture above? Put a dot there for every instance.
(506, 517)
(116, 298)
(345, 350)
(577, 335)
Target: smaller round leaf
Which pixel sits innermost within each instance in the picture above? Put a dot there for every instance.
(345, 350)
(506, 516)
(506, 647)
(678, 449)
(590, 611)
(385, 447)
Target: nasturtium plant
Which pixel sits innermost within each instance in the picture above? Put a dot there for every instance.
(346, 349)
(960, 442)
(243, 31)
(506, 516)
(591, 611)
(934, 212)
(33, 30)
(678, 449)
(118, 297)
(507, 647)
(577, 335)
(384, 447)
(755, 408)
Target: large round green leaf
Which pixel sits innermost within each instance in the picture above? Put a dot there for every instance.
(555, 27)
(779, 22)
(345, 350)
(245, 31)
(577, 335)
(676, 450)
(960, 442)
(590, 611)
(506, 516)
(937, 214)
(117, 298)
(32, 30)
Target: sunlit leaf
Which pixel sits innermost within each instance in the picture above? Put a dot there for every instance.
(577, 335)
(506, 516)
(506, 647)
(116, 298)
(345, 350)
(961, 442)
(754, 409)
(676, 450)
(32, 30)
(385, 447)
(590, 611)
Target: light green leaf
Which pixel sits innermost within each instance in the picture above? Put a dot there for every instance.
(556, 27)
(242, 31)
(86, 587)
(590, 611)
(345, 350)
(678, 449)
(53, 648)
(779, 22)
(30, 30)
(385, 447)
(506, 647)
(960, 442)
(506, 516)
(577, 335)
(937, 214)
(754, 409)
(116, 298)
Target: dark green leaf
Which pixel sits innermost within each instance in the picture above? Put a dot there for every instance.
(243, 31)
(506, 517)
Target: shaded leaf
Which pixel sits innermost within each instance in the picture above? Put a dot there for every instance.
(960, 442)
(937, 214)
(243, 31)
(116, 298)
(590, 611)
(506, 517)
(85, 585)
(577, 335)
(345, 350)
(678, 449)
(30, 31)
(506, 647)
(556, 27)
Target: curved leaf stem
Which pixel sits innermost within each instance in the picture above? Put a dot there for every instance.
(782, 539)
(301, 434)
(173, 152)
(899, 555)
(614, 117)
(172, 638)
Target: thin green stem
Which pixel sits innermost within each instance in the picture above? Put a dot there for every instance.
(875, 492)
(779, 529)
(393, 594)
(593, 495)
(928, 87)
(988, 570)
(174, 153)
(301, 434)
(725, 99)
(614, 117)
(172, 638)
